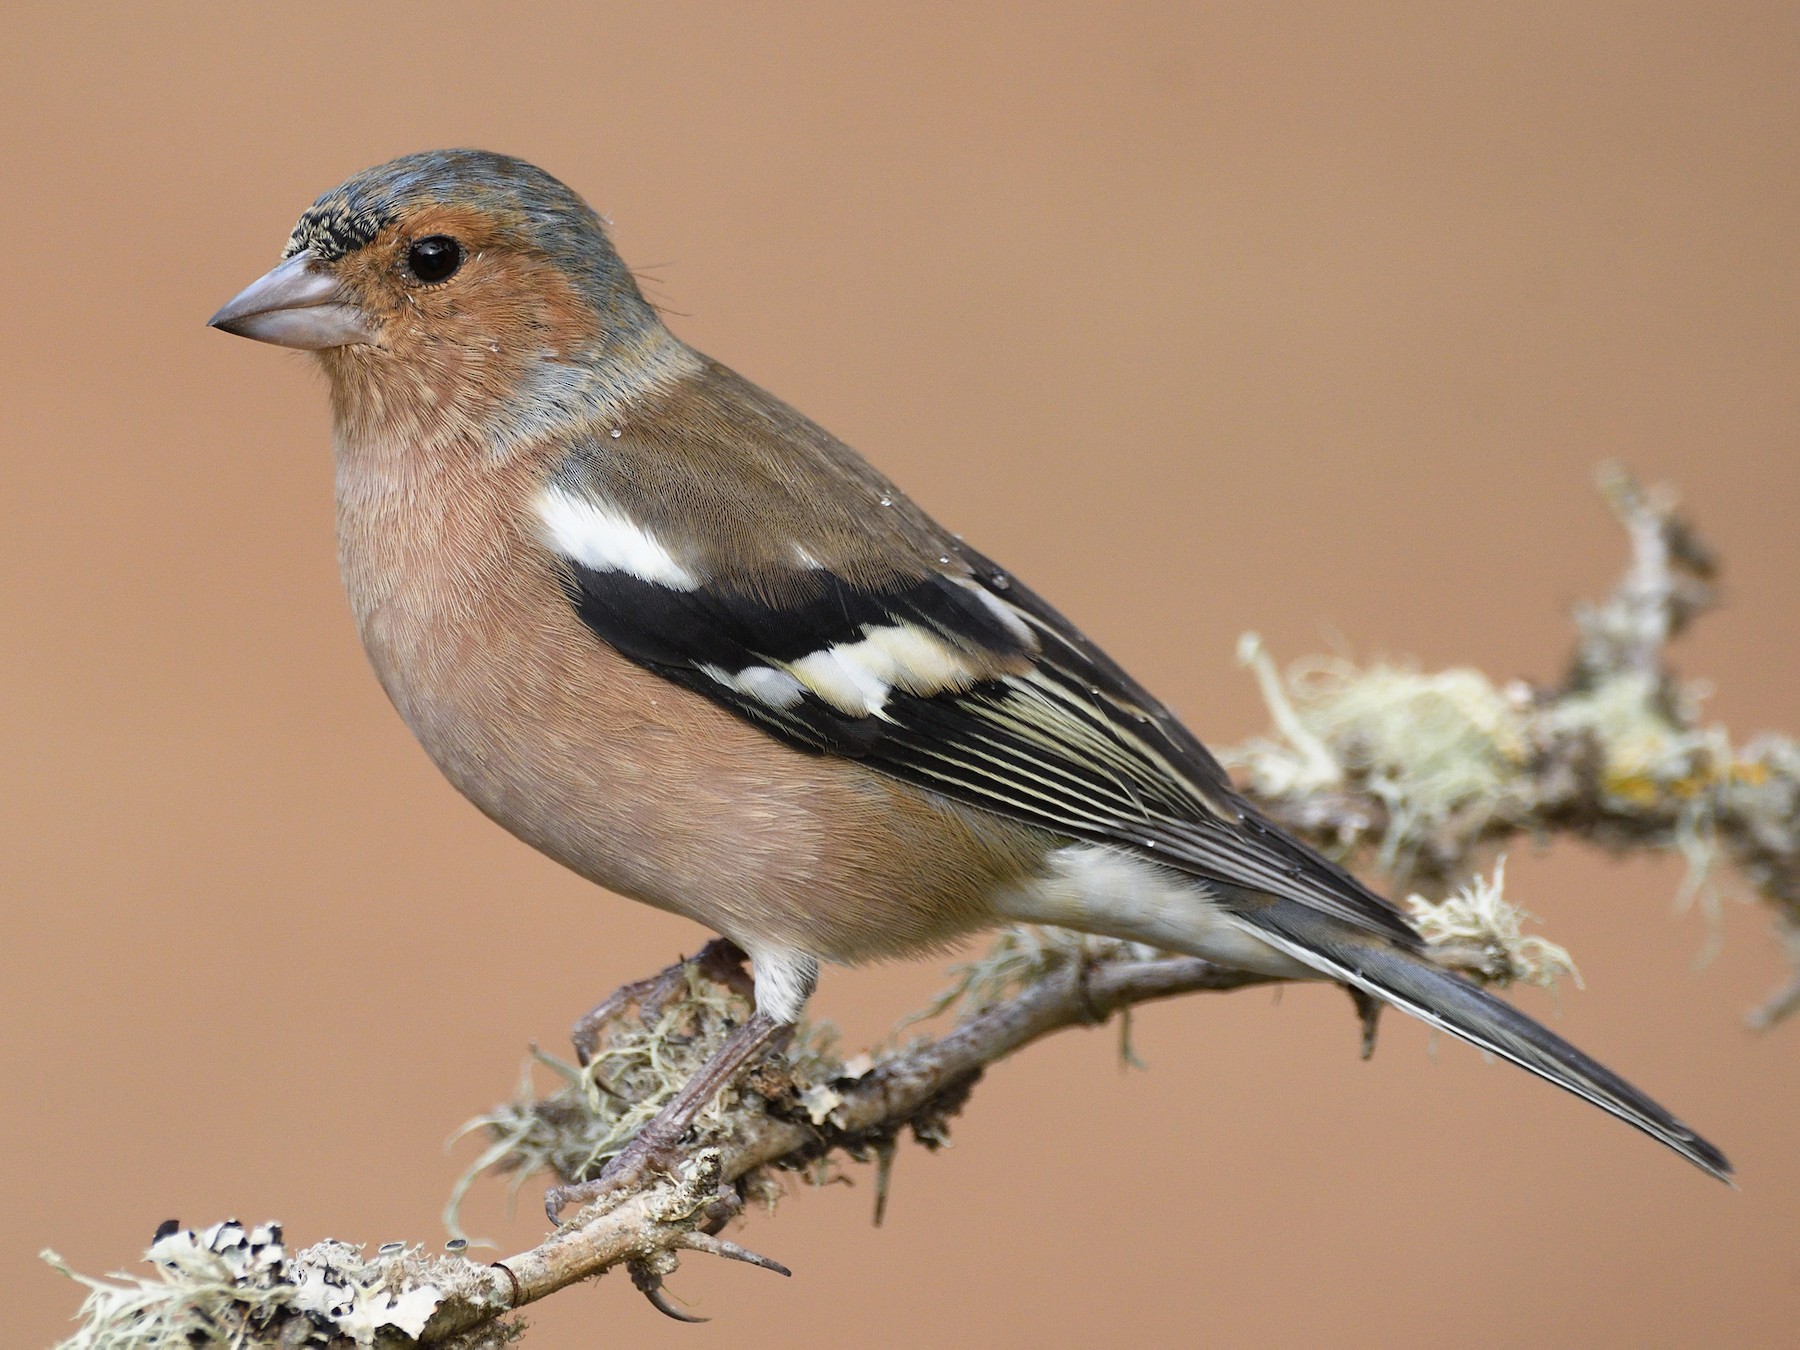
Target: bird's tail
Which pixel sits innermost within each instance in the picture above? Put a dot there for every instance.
(1435, 996)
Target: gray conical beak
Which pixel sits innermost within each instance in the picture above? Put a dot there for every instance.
(296, 305)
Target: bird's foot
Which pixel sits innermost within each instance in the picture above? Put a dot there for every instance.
(648, 1272)
(720, 960)
(655, 1148)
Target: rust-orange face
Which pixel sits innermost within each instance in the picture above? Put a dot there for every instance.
(439, 258)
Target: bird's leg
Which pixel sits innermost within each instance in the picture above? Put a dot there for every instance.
(655, 1144)
(721, 960)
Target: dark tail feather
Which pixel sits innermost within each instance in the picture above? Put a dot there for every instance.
(1435, 996)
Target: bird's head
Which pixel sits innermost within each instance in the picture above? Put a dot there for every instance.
(450, 280)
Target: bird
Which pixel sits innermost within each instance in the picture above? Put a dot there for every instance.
(675, 635)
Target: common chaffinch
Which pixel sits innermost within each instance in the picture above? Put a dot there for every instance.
(665, 629)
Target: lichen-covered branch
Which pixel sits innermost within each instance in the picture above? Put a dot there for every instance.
(229, 1287)
(1428, 773)
(1424, 776)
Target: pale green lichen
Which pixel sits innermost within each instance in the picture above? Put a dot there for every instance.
(1478, 930)
(1431, 747)
(1448, 754)
(1658, 759)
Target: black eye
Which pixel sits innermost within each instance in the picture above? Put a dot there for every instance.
(435, 258)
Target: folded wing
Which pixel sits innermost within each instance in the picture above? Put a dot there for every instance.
(946, 673)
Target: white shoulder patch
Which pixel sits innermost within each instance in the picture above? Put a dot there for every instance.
(599, 536)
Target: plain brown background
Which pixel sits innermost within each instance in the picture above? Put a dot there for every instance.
(1309, 319)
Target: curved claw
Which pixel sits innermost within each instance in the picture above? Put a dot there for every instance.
(718, 1246)
(650, 1285)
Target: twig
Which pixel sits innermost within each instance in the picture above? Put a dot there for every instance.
(1434, 772)
(911, 1087)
